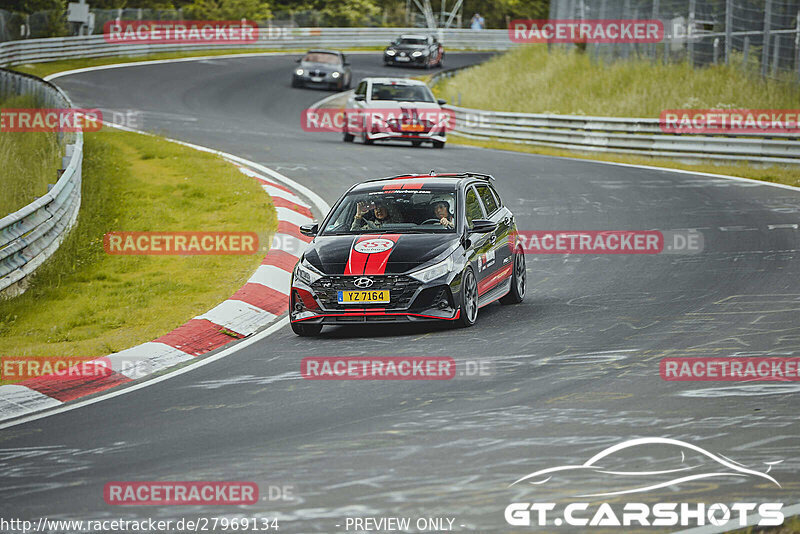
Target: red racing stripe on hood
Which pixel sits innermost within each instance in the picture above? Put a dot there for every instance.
(370, 254)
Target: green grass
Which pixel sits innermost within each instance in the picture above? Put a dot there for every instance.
(529, 80)
(29, 162)
(83, 302)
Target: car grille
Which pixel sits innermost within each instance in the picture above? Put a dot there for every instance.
(317, 73)
(402, 289)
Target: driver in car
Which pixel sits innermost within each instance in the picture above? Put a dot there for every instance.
(380, 213)
(441, 209)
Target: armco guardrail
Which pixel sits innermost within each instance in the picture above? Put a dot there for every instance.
(30, 235)
(37, 50)
(620, 135)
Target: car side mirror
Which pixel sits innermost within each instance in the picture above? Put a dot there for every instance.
(346, 64)
(360, 98)
(442, 101)
(482, 226)
(299, 60)
(309, 229)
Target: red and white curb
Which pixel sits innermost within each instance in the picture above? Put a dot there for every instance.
(257, 304)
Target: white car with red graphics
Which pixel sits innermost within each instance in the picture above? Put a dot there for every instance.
(396, 109)
(409, 248)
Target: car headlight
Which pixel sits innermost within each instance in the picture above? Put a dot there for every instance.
(434, 271)
(416, 54)
(390, 52)
(306, 273)
(299, 72)
(335, 74)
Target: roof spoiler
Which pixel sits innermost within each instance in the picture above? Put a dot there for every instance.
(481, 176)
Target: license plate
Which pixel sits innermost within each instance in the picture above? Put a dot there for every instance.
(402, 58)
(358, 297)
(316, 79)
(411, 128)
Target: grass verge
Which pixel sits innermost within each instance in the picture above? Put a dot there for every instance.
(790, 526)
(30, 161)
(83, 302)
(528, 79)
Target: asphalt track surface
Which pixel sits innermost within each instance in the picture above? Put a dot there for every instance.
(575, 365)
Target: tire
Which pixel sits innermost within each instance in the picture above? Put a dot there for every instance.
(306, 330)
(469, 300)
(365, 138)
(518, 281)
(438, 144)
(416, 143)
(348, 137)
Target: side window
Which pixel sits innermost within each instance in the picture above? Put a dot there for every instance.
(473, 207)
(496, 197)
(488, 199)
(361, 89)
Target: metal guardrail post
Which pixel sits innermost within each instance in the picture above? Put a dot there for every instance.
(765, 48)
(728, 30)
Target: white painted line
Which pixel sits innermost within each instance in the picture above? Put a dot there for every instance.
(753, 519)
(18, 400)
(130, 389)
(238, 316)
(273, 277)
(181, 60)
(146, 359)
(289, 215)
(278, 192)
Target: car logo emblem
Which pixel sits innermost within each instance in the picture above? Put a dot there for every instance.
(363, 282)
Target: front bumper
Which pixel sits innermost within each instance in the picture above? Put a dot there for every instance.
(317, 81)
(415, 61)
(411, 301)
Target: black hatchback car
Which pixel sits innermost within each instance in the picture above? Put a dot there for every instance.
(415, 50)
(409, 248)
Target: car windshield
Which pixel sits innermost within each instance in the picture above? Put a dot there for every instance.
(322, 57)
(411, 41)
(406, 93)
(399, 211)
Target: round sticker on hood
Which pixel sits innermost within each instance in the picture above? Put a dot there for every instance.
(372, 246)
